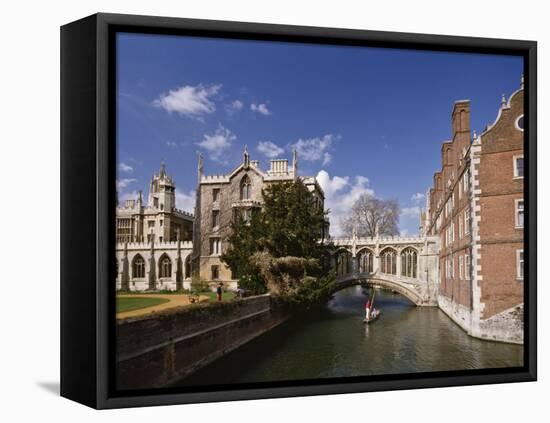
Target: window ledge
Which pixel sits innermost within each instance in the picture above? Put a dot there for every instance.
(517, 177)
(519, 227)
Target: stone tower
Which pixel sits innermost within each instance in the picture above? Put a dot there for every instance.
(162, 190)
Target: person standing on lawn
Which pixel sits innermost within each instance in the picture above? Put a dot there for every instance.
(219, 291)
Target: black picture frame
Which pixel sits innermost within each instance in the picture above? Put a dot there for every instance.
(88, 207)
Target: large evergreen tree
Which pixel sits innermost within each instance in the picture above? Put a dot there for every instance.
(288, 225)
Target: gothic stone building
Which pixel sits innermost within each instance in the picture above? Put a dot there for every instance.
(153, 249)
(476, 208)
(219, 197)
(155, 265)
(137, 222)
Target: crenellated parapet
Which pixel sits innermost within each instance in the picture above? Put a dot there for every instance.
(214, 179)
(343, 241)
(183, 213)
(165, 245)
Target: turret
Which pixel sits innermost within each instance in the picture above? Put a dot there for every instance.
(295, 162)
(246, 157)
(200, 169)
(162, 193)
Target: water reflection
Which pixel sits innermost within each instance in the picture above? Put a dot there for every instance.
(334, 342)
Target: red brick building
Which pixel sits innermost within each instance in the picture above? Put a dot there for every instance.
(476, 208)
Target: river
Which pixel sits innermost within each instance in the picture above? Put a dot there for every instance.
(334, 342)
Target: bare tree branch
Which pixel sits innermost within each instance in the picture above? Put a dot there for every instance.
(369, 215)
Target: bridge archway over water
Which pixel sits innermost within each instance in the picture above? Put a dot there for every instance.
(407, 265)
(372, 281)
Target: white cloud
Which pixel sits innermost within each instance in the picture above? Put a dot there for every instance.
(188, 100)
(314, 149)
(417, 198)
(403, 232)
(171, 143)
(260, 108)
(125, 167)
(234, 107)
(269, 149)
(410, 212)
(124, 182)
(340, 194)
(186, 201)
(217, 143)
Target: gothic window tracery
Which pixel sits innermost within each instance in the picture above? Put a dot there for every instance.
(388, 261)
(409, 263)
(165, 266)
(245, 188)
(138, 267)
(365, 261)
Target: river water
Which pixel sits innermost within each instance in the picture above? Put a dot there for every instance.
(334, 342)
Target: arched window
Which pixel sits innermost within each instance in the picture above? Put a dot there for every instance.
(245, 188)
(388, 261)
(343, 263)
(409, 262)
(365, 261)
(138, 267)
(165, 267)
(187, 267)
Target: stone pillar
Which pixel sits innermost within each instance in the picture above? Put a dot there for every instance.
(125, 277)
(376, 257)
(179, 268)
(152, 265)
(398, 264)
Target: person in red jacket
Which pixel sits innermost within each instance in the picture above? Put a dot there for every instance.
(368, 307)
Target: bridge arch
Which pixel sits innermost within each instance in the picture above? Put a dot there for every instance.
(379, 280)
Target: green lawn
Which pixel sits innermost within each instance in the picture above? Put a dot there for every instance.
(129, 304)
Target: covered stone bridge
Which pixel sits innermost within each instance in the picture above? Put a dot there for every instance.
(407, 265)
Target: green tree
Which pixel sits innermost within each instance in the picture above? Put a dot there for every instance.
(245, 239)
(289, 225)
(293, 224)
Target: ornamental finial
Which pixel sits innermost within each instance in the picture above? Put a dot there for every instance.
(521, 85)
(246, 156)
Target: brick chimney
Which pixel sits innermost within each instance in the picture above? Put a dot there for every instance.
(461, 127)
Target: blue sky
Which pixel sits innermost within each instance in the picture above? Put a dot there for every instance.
(362, 119)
